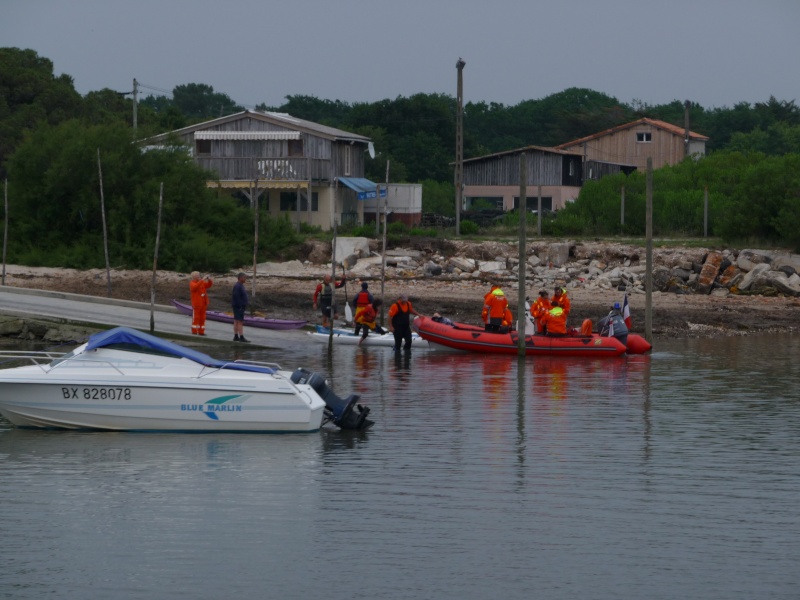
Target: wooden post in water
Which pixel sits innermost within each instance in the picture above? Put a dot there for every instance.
(523, 255)
(383, 252)
(254, 192)
(105, 231)
(648, 281)
(331, 311)
(459, 170)
(5, 232)
(155, 260)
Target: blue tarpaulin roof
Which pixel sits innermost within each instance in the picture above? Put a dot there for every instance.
(364, 188)
(124, 338)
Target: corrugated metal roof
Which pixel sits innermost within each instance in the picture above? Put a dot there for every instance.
(544, 149)
(280, 119)
(246, 135)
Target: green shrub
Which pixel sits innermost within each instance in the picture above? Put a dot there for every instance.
(397, 228)
(367, 231)
(469, 228)
(419, 232)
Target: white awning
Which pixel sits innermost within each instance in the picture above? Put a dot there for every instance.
(247, 135)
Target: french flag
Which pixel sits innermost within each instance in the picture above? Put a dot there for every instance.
(626, 312)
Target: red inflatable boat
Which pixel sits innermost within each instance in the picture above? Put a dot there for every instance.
(471, 338)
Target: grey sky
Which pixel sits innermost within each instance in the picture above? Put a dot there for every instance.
(715, 52)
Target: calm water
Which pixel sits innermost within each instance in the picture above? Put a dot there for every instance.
(675, 475)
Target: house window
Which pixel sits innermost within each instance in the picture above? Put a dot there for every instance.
(644, 136)
(295, 148)
(203, 146)
(289, 201)
(348, 154)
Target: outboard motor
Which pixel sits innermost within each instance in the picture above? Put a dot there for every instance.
(344, 413)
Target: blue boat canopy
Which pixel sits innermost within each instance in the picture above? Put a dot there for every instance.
(364, 188)
(125, 338)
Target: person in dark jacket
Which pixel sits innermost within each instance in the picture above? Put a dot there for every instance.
(613, 325)
(239, 302)
(323, 298)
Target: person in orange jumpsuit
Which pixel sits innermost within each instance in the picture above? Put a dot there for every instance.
(540, 308)
(560, 295)
(494, 310)
(508, 320)
(484, 314)
(555, 321)
(198, 289)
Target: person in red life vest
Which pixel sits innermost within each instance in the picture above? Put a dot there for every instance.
(484, 312)
(555, 321)
(540, 308)
(323, 297)
(362, 300)
(198, 289)
(368, 319)
(494, 310)
(560, 295)
(400, 322)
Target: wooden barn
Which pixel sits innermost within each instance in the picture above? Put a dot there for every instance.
(633, 143)
(494, 178)
(283, 161)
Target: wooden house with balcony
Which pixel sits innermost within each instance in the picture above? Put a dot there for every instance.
(282, 162)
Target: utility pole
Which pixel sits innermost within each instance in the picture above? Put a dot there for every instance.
(648, 276)
(686, 106)
(459, 179)
(135, 101)
(523, 251)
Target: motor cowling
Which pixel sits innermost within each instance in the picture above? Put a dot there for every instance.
(345, 413)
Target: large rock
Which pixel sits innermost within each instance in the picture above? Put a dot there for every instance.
(465, 265)
(748, 259)
(780, 282)
(492, 267)
(756, 272)
(709, 272)
(347, 246)
(727, 277)
(558, 254)
(783, 259)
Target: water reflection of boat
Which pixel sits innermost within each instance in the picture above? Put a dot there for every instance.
(249, 320)
(471, 338)
(125, 380)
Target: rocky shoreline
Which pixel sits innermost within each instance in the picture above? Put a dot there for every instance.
(698, 292)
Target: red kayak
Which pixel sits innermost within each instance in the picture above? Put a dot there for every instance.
(472, 338)
(250, 321)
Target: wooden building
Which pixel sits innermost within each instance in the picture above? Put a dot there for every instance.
(633, 143)
(283, 161)
(494, 178)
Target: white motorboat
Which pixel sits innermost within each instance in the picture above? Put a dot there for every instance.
(347, 337)
(125, 380)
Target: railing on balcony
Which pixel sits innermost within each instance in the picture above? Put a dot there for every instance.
(276, 169)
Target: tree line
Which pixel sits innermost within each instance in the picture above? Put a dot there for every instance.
(50, 134)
